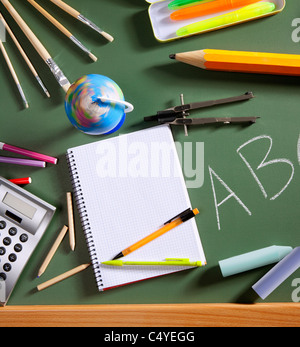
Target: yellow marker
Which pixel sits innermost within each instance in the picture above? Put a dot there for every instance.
(171, 224)
(167, 262)
(245, 13)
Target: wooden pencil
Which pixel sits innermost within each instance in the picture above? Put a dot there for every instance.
(63, 29)
(71, 221)
(24, 55)
(62, 277)
(74, 13)
(53, 250)
(239, 61)
(13, 73)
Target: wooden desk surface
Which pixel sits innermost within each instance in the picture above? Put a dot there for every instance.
(177, 315)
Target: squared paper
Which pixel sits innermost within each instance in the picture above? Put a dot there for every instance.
(131, 185)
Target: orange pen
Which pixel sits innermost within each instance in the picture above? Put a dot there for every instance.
(171, 224)
(209, 8)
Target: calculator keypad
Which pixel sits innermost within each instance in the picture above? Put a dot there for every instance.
(12, 243)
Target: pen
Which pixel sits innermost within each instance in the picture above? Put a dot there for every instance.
(167, 262)
(171, 224)
(246, 12)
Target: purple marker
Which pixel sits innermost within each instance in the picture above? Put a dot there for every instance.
(27, 153)
(18, 161)
(279, 273)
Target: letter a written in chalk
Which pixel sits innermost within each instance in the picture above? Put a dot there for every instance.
(231, 195)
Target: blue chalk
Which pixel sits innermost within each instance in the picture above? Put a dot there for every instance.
(279, 273)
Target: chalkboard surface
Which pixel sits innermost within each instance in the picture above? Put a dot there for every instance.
(244, 179)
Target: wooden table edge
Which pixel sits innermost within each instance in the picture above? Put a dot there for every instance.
(154, 315)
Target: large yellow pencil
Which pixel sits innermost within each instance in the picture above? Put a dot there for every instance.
(173, 223)
(238, 61)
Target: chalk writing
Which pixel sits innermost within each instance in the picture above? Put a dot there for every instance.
(254, 172)
(265, 163)
(231, 195)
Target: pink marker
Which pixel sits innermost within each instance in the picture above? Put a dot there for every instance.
(27, 153)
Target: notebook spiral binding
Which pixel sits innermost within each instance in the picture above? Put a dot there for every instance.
(84, 218)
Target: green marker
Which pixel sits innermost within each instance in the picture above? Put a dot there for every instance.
(178, 4)
(167, 262)
(247, 12)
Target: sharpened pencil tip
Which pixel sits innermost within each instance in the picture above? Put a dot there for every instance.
(172, 56)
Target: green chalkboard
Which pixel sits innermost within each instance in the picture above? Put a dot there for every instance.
(258, 165)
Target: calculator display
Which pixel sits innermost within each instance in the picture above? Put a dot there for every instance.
(19, 205)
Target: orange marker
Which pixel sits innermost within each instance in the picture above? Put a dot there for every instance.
(171, 224)
(209, 8)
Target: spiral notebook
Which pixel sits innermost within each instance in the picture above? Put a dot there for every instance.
(125, 188)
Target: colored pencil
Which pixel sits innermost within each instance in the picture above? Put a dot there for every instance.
(53, 250)
(27, 153)
(63, 276)
(74, 13)
(238, 61)
(26, 162)
(63, 29)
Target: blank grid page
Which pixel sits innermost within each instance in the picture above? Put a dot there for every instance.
(132, 184)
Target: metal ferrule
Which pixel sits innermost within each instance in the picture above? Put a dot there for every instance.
(22, 95)
(89, 23)
(42, 84)
(79, 44)
(58, 74)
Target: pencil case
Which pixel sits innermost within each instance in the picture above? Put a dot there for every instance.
(164, 28)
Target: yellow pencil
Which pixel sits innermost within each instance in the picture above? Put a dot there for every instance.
(238, 61)
(62, 276)
(173, 223)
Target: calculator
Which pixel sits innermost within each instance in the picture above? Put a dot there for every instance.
(23, 220)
